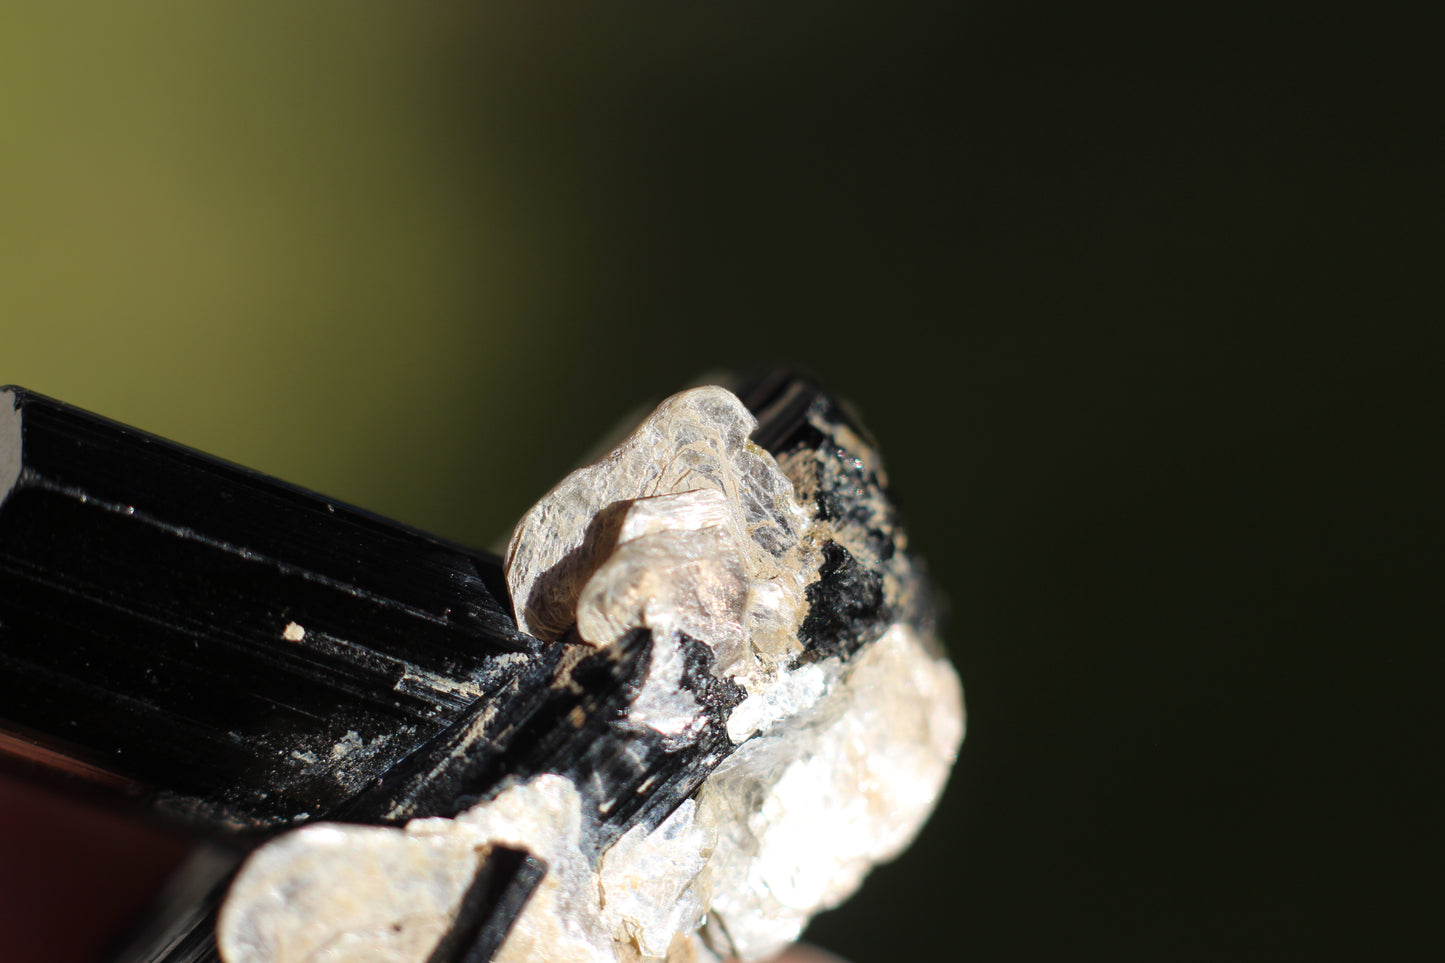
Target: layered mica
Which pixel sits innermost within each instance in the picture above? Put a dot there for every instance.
(743, 548)
(824, 717)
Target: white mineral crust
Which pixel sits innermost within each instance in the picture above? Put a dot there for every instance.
(371, 894)
(806, 808)
(651, 889)
(686, 528)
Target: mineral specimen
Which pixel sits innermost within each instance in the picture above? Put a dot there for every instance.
(741, 708)
(699, 698)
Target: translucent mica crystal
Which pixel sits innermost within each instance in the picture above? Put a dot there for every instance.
(781, 718)
(686, 524)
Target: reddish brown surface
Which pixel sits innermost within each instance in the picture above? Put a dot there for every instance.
(73, 876)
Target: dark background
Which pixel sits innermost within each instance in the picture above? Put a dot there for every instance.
(1142, 302)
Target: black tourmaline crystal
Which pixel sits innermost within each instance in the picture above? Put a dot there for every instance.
(241, 654)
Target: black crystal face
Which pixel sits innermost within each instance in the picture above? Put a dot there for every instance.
(240, 652)
(845, 607)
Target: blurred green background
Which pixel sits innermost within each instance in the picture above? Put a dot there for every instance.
(1141, 301)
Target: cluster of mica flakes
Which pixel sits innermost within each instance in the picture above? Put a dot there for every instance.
(787, 658)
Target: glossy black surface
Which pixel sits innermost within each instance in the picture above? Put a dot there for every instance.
(502, 886)
(241, 653)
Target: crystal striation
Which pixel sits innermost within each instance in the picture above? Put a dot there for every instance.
(232, 651)
(743, 707)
